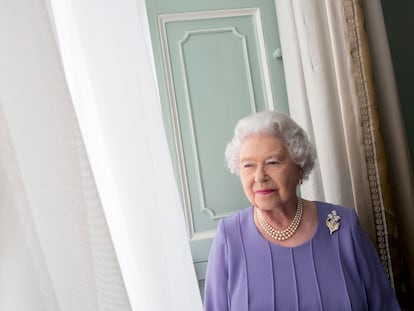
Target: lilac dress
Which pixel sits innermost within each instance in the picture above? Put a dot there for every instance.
(336, 272)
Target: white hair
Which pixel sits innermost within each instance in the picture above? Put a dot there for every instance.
(276, 124)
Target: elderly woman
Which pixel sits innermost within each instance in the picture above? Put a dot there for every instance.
(284, 252)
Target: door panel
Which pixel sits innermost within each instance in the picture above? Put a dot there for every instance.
(214, 65)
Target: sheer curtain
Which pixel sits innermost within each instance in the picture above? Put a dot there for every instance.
(90, 217)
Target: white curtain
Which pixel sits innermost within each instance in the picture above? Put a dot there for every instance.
(322, 97)
(90, 217)
(330, 93)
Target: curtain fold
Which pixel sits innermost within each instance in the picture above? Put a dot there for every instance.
(24, 278)
(398, 166)
(105, 52)
(331, 92)
(56, 250)
(90, 213)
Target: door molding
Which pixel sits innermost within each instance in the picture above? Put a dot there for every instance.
(163, 20)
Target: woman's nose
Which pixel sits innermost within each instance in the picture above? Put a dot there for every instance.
(260, 175)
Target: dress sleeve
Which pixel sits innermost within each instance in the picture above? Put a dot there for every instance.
(379, 293)
(215, 291)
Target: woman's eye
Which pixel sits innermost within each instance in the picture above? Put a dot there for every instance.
(247, 165)
(272, 162)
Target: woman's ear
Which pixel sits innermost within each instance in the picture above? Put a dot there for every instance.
(300, 181)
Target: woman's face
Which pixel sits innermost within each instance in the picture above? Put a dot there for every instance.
(267, 171)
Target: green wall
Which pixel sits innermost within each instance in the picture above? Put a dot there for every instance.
(399, 21)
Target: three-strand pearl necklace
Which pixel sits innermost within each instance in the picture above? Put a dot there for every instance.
(289, 231)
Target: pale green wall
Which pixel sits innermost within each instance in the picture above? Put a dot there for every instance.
(399, 21)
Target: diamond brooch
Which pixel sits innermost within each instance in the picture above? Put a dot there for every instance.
(333, 221)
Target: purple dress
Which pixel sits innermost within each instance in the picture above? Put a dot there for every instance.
(336, 272)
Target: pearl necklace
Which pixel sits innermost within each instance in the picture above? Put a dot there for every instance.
(289, 231)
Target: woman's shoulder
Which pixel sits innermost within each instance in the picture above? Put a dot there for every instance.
(239, 215)
(232, 223)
